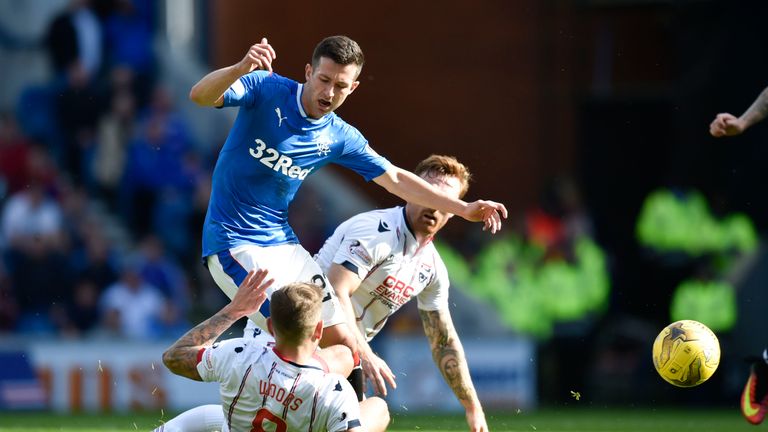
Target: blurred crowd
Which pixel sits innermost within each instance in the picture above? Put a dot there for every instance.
(103, 187)
(98, 150)
(103, 190)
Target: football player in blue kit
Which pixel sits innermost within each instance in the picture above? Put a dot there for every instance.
(284, 131)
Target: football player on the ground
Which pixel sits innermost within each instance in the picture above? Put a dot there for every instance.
(284, 383)
(285, 131)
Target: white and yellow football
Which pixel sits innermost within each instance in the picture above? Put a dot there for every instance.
(686, 353)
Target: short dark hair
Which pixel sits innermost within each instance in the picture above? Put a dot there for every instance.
(340, 49)
(295, 311)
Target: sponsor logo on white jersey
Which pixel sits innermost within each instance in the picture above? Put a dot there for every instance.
(393, 292)
(276, 161)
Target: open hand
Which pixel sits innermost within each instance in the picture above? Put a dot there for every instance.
(489, 212)
(377, 371)
(252, 292)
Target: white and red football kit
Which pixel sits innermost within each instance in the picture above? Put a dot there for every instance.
(379, 246)
(263, 391)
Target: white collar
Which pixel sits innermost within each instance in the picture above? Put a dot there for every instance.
(303, 113)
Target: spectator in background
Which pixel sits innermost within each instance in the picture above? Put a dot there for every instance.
(559, 219)
(32, 220)
(75, 46)
(133, 308)
(80, 314)
(175, 210)
(78, 106)
(77, 218)
(115, 131)
(14, 152)
(75, 37)
(32, 225)
(96, 262)
(161, 271)
(128, 31)
(9, 309)
(155, 162)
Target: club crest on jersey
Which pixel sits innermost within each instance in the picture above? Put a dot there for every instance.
(323, 146)
(357, 249)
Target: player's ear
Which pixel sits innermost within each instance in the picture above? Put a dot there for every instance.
(269, 326)
(354, 86)
(318, 333)
(307, 71)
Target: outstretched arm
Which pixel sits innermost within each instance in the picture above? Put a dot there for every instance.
(209, 91)
(414, 189)
(181, 357)
(449, 358)
(726, 124)
(346, 282)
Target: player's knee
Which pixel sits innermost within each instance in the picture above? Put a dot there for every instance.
(375, 413)
(339, 358)
(382, 409)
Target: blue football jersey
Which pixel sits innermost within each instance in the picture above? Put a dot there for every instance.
(272, 147)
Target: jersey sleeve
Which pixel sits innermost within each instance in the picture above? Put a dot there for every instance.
(215, 362)
(341, 401)
(246, 91)
(435, 295)
(361, 246)
(360, 157)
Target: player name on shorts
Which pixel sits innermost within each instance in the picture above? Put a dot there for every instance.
(394, 291)
(276, 161)
(285, 397)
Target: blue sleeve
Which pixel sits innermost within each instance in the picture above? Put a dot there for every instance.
(360, 157)
(246, 91)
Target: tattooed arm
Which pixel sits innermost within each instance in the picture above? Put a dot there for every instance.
(181, 357)
(449, 358)
(726, 124)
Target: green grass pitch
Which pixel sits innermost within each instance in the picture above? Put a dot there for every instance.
(550, 420)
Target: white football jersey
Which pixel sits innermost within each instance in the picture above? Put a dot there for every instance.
(262, 391)
(379, 246)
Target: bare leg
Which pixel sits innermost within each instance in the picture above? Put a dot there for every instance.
(374, 414)
(339, 359)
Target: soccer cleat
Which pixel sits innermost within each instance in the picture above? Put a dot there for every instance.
(754, 399)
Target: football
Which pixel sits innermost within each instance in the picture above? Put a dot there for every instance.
(686, 353)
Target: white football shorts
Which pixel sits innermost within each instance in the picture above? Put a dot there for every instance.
(286, 264)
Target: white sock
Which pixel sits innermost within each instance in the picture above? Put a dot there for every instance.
(205, 418)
